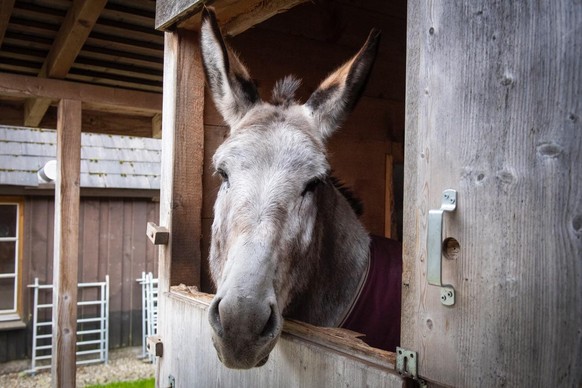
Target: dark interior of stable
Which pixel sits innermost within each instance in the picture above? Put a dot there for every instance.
(309, 41)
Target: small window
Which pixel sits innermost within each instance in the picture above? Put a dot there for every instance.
(10, 252)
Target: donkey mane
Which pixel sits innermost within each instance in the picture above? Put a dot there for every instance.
(284, 91)
(355, 203)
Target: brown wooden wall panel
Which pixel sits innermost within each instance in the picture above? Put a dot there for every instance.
(112, 241)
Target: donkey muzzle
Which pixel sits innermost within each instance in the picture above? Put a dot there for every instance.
(245, 329)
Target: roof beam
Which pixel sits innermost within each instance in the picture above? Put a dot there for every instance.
(234, 16)
(6, 7)
(94, 97)
(71, 37)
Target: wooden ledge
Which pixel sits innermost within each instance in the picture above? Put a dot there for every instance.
(16, 324)
(339, 340)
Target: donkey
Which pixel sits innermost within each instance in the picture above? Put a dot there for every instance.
(285, 239)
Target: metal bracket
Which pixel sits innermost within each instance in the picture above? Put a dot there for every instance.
(406, 362)
(407, 365)
(435, 246)
(171, 381)
(447, 295)
(155, 346)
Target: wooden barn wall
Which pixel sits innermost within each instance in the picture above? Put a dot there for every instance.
(309, 42)
(112, 241)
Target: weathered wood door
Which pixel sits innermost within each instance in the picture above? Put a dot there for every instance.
(494, 111)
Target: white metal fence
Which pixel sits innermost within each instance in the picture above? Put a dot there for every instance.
(149, 293)
(92, 324)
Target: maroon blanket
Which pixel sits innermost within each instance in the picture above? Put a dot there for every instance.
(376, 312)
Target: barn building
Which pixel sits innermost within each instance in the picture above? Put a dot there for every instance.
(480, 98)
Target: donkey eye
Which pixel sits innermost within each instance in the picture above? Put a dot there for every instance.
(311, 186)
(222, 174)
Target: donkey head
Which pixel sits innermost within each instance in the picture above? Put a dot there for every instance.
(273, 167)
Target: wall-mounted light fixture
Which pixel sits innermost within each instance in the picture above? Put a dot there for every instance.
(48, 173)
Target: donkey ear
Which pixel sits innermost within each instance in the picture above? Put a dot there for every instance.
(232, 88)
(338, 94)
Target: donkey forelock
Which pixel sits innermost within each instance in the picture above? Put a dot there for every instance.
(276, 202)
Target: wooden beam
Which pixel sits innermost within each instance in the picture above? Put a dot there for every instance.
(72, 34)
(66, 244)
(99, 98)
(182, 160)
(169, 13)
(234, 16)
(6, 7)
(242, 15)
(157, 126)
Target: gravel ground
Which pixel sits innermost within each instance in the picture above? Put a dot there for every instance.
(123, 365)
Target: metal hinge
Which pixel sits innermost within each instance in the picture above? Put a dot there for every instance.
(171, 381)
(407, 365)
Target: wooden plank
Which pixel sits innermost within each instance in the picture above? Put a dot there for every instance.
(157, 126)
(115, 270)
(94, 97)
(127, 277)
(72, 34)
(305, 356)
(6, 7)
(170, 12)
(89, 251)
(90, 244)
(138, 265)
(182, 159)
(493, 110)
(389, 229)
(181, 172)
(234, 16)
(66, 244)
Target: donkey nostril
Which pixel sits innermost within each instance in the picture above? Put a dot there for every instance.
(214, 317)
(270, 327)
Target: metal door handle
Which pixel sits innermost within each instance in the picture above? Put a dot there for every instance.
(435, 246)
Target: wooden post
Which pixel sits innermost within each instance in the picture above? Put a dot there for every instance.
(181, 178)
(66, 243)
(182, 159)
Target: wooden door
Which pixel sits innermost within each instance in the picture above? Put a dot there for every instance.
(494, 111)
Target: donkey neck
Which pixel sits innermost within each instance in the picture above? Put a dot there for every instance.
(341, 254)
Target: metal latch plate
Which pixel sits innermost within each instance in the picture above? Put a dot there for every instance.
(406, 362)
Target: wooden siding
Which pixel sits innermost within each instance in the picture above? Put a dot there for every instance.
(112, 241)
(494, 111)
(305, 356)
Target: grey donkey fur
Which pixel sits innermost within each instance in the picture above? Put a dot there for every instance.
(285, 241)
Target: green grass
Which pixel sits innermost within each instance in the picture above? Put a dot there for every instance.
(146, 383)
